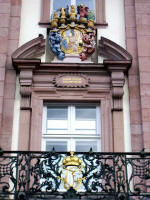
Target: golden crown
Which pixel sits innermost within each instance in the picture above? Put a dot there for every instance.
(72, 160)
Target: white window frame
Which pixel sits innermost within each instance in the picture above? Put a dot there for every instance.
(71, 137)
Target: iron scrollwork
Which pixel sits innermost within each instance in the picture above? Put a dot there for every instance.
(33, 175)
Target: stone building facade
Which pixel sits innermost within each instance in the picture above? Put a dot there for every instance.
(120, 82)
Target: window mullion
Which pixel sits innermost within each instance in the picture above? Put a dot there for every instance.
(69, 120)
(72, 119)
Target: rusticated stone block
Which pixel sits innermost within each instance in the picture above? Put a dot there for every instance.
(130, 21)
(146, 114)
(15, 23)
(142, 7)
(146, 141)
(2, 60)
(5, 141)
(131, 32)
(4, 20)
(134, 104)
(144, 77)
(145, 101)
(15, 2)
(13, 34)
(12, 45)
(2, 74)
(4, 8)
(143, 30)
(15, 10)
(131, 46)
(8, 109)
(146, 20)
(129, 2)
(145, 89)
(134, 69)
(1, 105)
(1, 88)
(144, 64)
(10, 76)
(136, 128)
(135, 116)
(144, 46)
(134, 90)
(4, 44)
(10, 90)
(3, 32)
(5, 1)
(133, 80)
(137, 142)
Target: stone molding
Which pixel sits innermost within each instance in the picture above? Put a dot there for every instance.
(112, 51)
(32, 49)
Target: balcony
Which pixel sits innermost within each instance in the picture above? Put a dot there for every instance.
(47, 175)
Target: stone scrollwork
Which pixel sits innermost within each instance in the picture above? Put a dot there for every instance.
(26, 92)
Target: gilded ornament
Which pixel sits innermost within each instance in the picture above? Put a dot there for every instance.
(72, 40)
(73, 14)
(54, 22)
(72, 172)
(75, 38)
(62, 16)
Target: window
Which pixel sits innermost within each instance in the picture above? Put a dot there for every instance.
(48, 6)
(57, 5)
(71, 127)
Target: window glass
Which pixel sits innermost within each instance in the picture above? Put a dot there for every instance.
(57, 118)
(85, 146)
(85, 118)
(57, 4)
(89, 3)
(57, 113)
(58, 145)
(83, 113)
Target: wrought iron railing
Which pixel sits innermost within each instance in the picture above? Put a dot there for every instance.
(41, 175)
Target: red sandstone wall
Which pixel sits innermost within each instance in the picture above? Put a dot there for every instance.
(9, 35)
(137, 15)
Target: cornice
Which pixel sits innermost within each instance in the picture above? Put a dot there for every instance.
(112, 51)
(32, 49)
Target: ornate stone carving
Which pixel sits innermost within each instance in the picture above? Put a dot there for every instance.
(25, 98)
(71, 81)
(25, 91)
(72, 36)
(117, 70)
(25, 77)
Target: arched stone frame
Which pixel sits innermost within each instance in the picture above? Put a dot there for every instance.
(105, 86)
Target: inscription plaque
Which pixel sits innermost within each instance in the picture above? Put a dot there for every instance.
(71, 81)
